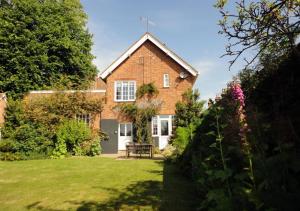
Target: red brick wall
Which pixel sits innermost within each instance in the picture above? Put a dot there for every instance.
(2, 109)
(156, 63)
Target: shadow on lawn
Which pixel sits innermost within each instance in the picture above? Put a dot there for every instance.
(174, 193)
(145, 194)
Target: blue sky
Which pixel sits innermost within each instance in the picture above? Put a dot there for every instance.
(188, 27)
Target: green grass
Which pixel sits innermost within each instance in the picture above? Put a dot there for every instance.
(93, 184)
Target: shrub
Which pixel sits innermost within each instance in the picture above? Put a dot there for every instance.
(8, 150)
(170, 153)
(14, 117)
(32, 139)
(190, 109)
(95, 148)
(7, 146)
(52, 110)
(183, 136)
(75, 138)
(8, 156)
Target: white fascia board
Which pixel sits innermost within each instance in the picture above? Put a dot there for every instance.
(67, 91)
(133, 48)
(173, 56)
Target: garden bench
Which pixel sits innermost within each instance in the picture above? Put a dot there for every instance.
(139, 149)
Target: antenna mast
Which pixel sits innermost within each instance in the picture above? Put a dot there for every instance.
(147, 21)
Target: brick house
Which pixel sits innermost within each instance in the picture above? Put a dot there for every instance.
(147, 60)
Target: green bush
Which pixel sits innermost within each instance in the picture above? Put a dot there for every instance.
(189, 110)
(183, 136)
(28, 140)
(8, 156)
(31, 139)
(8, 151)
(95, 148)
(75, 138)
(7, 146)
(170, 153)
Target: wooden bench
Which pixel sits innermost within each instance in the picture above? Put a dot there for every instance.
(140, 149)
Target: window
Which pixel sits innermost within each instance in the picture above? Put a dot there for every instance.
(128, 129)
(125, 90)
(86, 118)
(125, 129)
(154, 126)
(164, 127)
(166, 80)
(122, 129)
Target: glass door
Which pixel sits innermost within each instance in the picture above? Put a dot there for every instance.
(125, 135)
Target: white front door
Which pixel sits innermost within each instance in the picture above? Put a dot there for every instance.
(162, 128)
(125, 135)
(164, 133)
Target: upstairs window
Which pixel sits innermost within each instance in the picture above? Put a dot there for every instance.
(125, 90)
(166, 80)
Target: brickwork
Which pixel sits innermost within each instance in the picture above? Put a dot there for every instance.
(148, 64)
(2, 108)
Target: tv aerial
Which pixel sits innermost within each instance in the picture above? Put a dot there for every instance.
(147, 21)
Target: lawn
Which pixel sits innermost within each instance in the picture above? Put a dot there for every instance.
(93, 184)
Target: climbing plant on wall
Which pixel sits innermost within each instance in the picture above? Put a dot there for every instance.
(141, 111)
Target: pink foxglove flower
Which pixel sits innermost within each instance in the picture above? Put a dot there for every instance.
(237, 93)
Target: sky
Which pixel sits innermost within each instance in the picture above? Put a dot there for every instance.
(188, 27)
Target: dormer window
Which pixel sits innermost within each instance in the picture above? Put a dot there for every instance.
(166, 80)
(125, 90)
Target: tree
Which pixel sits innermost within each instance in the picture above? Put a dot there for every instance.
(269, 27)
(189, 110)
(44, 44)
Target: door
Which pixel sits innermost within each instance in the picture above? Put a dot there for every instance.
(110, 127)
(125, 135)
(162, 129)
(164, 132)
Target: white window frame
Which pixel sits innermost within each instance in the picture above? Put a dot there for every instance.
(168, 124)
(86, 118)
(128, 91)
(126, 124)
(166, 80)
(152, 126)
(159, 118)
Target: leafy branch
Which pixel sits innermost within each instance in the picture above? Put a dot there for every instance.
(263, 26)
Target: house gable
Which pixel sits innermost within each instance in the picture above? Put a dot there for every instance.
(148, 64)
(148, 37)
